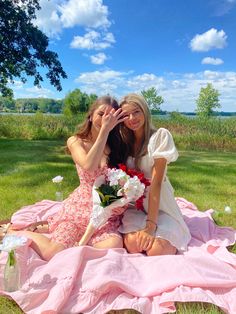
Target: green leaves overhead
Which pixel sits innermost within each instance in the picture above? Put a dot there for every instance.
(23, 47)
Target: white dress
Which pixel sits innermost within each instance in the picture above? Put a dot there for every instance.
(171, 225)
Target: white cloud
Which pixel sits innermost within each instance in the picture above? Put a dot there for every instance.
(87, 13)
(99, 58)
(183, 97)
(144, 81)
(35, 92)
(58, 14)
(213, 61)
(211, 75)
(48, 19)
(22, 90)
(93, 40)
(178, 84)
(16, 85)
(109, 37)
(179, 91)
(102, 82)
(209, 40)
(98, 76)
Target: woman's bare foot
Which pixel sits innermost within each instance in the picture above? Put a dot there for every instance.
(39, 227)
(3, 229)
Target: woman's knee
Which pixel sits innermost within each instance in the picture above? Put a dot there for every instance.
(161, 247)
(52, 249)
(131, 243)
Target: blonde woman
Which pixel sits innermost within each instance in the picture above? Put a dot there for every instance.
(161, 230)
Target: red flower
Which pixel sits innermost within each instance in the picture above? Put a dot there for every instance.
(123, 167)
(140, 175)
(139, 203)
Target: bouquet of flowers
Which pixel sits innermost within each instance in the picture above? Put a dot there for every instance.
(115, 189)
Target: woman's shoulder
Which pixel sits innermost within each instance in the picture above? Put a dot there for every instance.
(71, 140)
(159, 134)
(161, 145)
(74, 140)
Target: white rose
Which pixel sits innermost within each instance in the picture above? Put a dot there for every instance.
(57, 179)
(114, 175)
(11, 242)
(228, 210)
(133, 188)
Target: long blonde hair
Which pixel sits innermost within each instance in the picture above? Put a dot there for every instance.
(128, 135)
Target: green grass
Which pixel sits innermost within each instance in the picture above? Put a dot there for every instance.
(26, 172)
(27, 167)
(207, 179)
(190, 134)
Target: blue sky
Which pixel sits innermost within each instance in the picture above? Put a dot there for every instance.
(123, 46)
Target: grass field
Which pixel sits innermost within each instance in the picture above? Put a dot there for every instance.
(213, 134)
(27, 167)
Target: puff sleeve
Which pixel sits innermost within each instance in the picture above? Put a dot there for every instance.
(161, 145)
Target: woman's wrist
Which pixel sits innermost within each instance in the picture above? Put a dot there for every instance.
(151, 226)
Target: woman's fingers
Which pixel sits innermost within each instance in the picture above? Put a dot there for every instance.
(144, 241)
(120, 115)
(148, 245)
(113, 117)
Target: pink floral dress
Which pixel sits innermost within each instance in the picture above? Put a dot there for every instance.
(69, 224)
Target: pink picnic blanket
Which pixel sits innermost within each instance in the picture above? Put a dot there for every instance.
(88, 280)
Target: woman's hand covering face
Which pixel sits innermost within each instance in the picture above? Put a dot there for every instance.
(111, 118)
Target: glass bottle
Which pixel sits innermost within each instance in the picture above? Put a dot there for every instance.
(11, 273)
(59, 196)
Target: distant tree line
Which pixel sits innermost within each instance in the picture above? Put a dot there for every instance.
(31, 105)
(74, 102)
(77, 101)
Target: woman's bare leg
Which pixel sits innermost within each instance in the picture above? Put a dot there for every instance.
(161, 247)
(41, 244)
(110, 243)
(131, 243)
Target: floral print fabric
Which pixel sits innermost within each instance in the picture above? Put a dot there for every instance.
(69, 224)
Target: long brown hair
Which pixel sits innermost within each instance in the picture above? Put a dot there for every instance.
(114, 140)
(128, 135)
